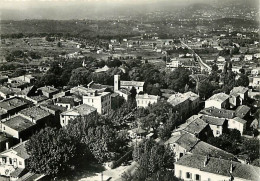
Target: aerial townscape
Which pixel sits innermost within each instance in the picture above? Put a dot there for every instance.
(160, 90)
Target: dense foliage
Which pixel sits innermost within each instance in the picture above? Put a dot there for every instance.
(52, 152)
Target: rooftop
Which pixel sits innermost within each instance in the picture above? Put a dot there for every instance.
(35, 113)
(220, 167)
(196, 126)
(203, 148)
(220, 113)
(19, 149)
(12, 103)
(6, 90)
(18, 123)
(240, 120)
(48, 89)
(131, 83)
(81, 110)
(187, 141)
(191, 95)
(241, 111)
(65, 100)
(177, 99)
(38, 98)
(146, 96)
(239, 89)
(220, 97)
(213, 120)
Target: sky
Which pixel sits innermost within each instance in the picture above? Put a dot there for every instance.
(83, 9)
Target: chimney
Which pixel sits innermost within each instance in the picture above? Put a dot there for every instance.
(7, 145)
(206, 160)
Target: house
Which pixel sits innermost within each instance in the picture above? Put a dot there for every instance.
(139, 86)
(217, 125)
(235, 58)
(173, 64)
(255, 71)
(186, 104)
(14, 161)
(6, 92)
(12, 105)
(82, 111)
(24, 78)
(242, 92)
(185, 143)
(257, 55)
(180, 103)
(196, 127)
(194, 100)
(221, 59)
(238, 124)
(248, 57)
(18, 127)
(200, 167)
(36, 99)
(146, 100)
(36, 115)
(220, 100)
(242, 111)
(67, 102)
(256, 82)
(100, 100)
(48, 91)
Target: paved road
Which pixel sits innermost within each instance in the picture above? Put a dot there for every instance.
(201, 63)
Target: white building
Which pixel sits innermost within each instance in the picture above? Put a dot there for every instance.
(100, 100)
(146, 100)
(173, 64)
(118, 84)
(248, 57)
(13, 161)
(198, 167)
(219, 101)
(82, 111)
(238, 124)
(256, 82)
(221, 59)
(255, 72)
(242, 92)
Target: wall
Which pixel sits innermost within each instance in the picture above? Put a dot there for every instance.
(180, 172)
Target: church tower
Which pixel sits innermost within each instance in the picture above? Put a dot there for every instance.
(116, 82)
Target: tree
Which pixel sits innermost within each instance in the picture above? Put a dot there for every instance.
(177, 79)
(205, 89)
(243, 80)
(79, 76)
(52, 152)
(152, 158)
(103, 141)
(59, 44)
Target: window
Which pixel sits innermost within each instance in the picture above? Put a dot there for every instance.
(181, 154)
(92, 100)
(197, 177)
(218, 126)
(20, 163)
(4, 128)
(188, 175)
(10, 161)
(218, 132)
(209, 179)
